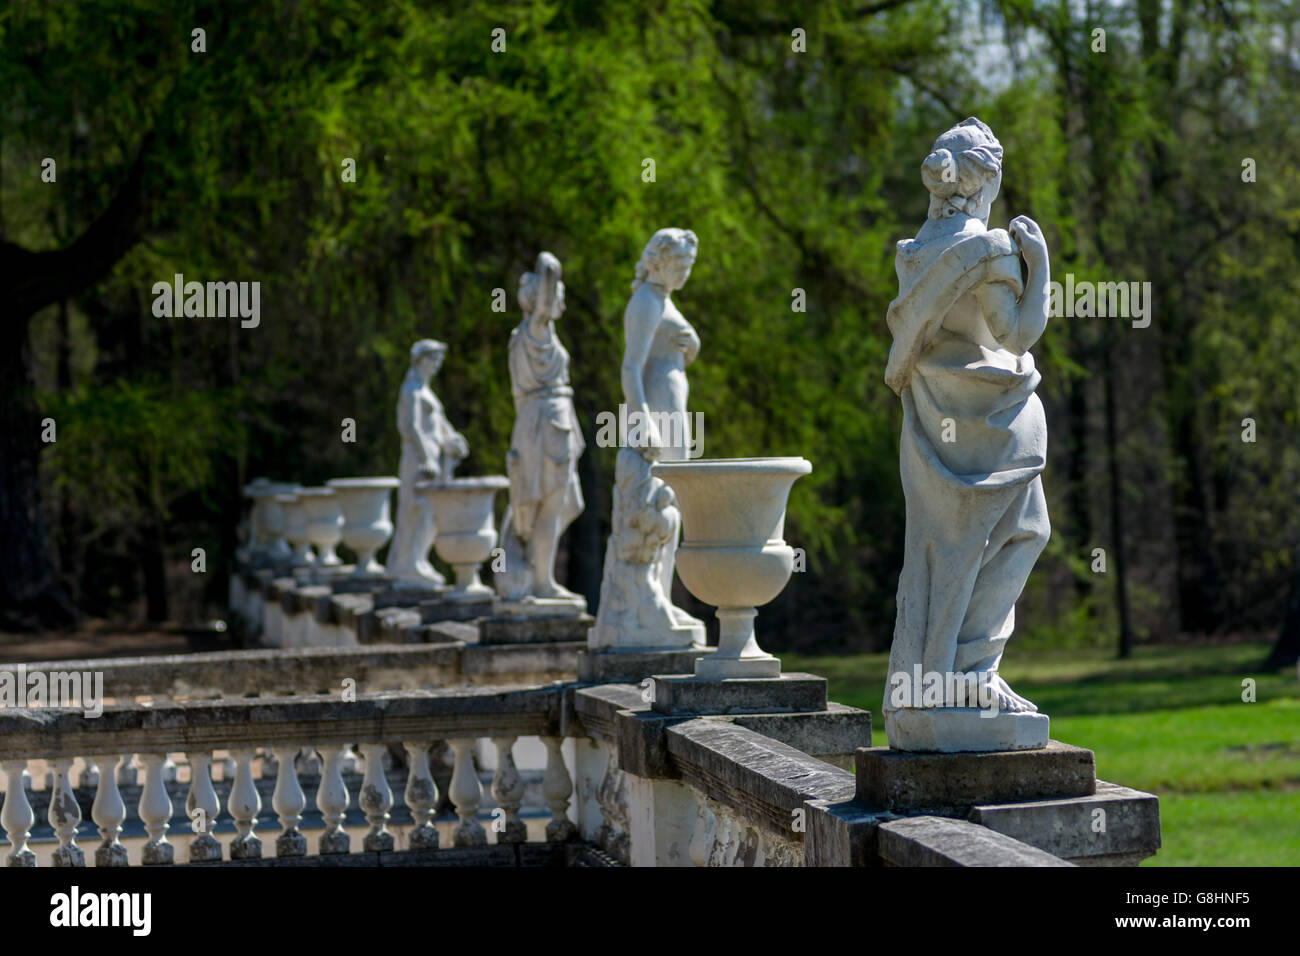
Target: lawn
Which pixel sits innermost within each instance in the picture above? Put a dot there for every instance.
(1170, 721)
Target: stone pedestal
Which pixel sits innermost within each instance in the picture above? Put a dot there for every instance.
(407, 595)
(679, 694)
(446, 609)
(614, 666)
(360, 583)
(951, 784)
(534, 630)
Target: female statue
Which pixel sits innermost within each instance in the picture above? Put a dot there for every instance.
(431, 449)
(542, 464)
(973, 448)
(636, 608)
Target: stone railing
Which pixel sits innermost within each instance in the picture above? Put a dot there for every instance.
(251, 731)
(646, 788)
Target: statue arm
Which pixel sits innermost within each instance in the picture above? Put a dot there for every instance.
(639, 326)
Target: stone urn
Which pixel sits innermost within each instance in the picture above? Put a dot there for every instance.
(295, 528)
(324, 523)
(732, 554)
(466, 534)
(366, 522)
(267, 522)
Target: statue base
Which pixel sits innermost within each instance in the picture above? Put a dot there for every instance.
(534, 630)
(536, 607)
(632, 664)
(950, 783)
(679, 637)
(679, 694)
(443, 608)
(964, 730)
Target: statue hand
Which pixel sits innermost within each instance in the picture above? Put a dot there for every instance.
(428, 472)
(1030, 239)
(688, 342)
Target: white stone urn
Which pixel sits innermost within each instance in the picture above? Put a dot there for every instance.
(366, 522)
(295, 528)
(732, 554)
(324, 523)
(466, 534)
(267, 522)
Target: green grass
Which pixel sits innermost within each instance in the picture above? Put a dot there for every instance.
(1170, 721)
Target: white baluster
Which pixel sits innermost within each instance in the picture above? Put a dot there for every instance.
(421, 796)
(466, 791)
(508, 790)
(64, 815)
(89, 774)
(155, 810)
(557, 788)
(244, 804)
(202, 807)
(289, 802)
(376, 799)
(109, 812)
(332, 800)
(16, 815)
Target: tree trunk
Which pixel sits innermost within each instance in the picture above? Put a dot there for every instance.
(1286, 652)
(31, 592)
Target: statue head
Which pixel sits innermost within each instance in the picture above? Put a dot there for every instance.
(964, 171)
(667, 259)
(542, 291)
(427, 356)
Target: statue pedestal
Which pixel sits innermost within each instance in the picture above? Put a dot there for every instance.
(632, 665)
(679, 694)
(954, 782)
(441, 608)
(535, 629)
(965, 730)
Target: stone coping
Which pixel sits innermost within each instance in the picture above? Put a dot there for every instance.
(226, 724)
(374, 667)
(940, 841)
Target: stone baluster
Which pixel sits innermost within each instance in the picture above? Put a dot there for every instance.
(89, 774)
(244, 804)
(17, 815)
(109, 812)
(421, 796)
(289, 802)
(508, 790)
(376, 799)
(466, 791)
(332, 800)
(202, 807)
(155, 810)
(557, 788)
(64, 815)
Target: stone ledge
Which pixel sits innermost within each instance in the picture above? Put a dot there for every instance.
(761, 778)
(224, 724)
(939, 841)
(950, 784)
(1069, 828)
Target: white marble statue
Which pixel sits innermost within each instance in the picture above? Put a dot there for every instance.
(973, 448)
(431, 450)
(542, 465)
(636, 608)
